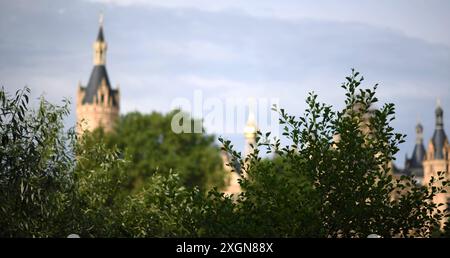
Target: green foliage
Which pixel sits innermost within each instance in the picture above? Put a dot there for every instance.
(54, 183)
(275, 203)
(145, 181)
(34, 165)
(150, 144)
(98, 178)
(164, 208)
(350, 177)
(51, 183)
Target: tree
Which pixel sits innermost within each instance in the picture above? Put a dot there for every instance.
(96, 203)
(333, 179)
(51, 183)
(35, 158)
(276, 202)
(350, 178)
(150, 145)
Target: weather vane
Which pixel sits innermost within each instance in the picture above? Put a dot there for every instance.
(100, 19)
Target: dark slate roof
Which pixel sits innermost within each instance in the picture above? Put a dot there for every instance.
(417, 157)
(439, 138)
(410, 170)
(98, 74)
(414, 165)
(396, 170)
(100, 36)
(418, 172)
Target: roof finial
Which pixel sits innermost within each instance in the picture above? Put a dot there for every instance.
(251, 127)
(438, 102)
(100, 18)
(251, 108)
(251, 117)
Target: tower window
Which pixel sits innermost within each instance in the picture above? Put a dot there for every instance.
(102, 98)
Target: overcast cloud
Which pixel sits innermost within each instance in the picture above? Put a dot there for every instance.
(160, 50)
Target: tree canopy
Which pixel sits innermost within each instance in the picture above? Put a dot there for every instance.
(332, 179)
(149, 144)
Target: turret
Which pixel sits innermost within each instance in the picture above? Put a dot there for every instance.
(439, 139)
(97, 103)
(250, 130)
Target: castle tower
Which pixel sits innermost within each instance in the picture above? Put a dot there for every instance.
(250, 130)
(231, 177)
(250, 142)
(437, 158)
(97, 103)
(414, 165)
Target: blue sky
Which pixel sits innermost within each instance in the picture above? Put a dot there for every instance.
(161, 49)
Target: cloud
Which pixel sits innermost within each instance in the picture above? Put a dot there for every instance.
(212, 83)
(205, 5)
(160, 53)
(61, 11)
(414, 17)
(194, 49)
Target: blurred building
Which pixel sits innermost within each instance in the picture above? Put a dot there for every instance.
(233, 169)
(437, 158)
(97, 103)
(426, 163)
(414, 164)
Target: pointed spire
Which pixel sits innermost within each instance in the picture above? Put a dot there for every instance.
(439, 136)
(439, 115)
(100, 45)
(419, 133)
(251, 118)
(414, 164)
(100, 37)
(250, 128)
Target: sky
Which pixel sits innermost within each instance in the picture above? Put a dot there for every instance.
(160, 50)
